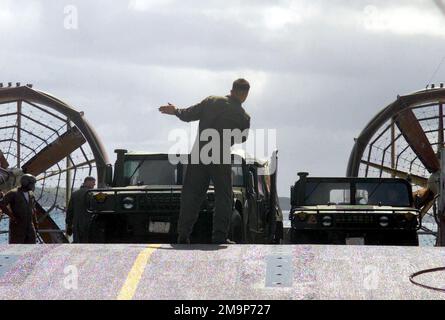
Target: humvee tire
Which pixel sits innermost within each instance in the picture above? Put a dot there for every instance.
(406, 238)
(236, 231)
(399, 238)
(249, 236)
(307, 237)
(300, 237)
(278, 234)
(96, 233)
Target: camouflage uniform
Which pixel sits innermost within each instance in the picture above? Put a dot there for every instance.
(21, 226)
(217, 113)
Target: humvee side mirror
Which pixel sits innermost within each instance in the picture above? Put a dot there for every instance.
(251, 184)
(299, 188)
(109, 175)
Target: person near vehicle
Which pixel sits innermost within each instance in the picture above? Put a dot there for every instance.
(217, 115)
(77, 218)
(19, 205)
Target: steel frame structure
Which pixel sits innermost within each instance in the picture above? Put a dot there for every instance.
(405, 139)
(43, 139)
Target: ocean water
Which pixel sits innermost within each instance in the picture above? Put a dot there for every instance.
(58, 217)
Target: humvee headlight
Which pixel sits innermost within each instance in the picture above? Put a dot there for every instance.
(302, 216)
(384, 221)
(326, 221)
(128, 203)
(100, 197)
(409, 216)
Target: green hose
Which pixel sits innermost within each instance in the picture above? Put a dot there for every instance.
(414, 275)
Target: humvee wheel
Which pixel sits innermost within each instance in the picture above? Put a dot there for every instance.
(236, 227)
(97, 231)
(396, 238)
(278, 236)
(410, 238)
(249, 237)
(254, 237)
(299, 237)
(307, 237)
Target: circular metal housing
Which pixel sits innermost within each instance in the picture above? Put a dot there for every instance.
(128, 203)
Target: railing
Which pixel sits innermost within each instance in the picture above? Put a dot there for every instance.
(39, 231)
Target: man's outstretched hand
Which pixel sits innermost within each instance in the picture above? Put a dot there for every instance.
(168, 109)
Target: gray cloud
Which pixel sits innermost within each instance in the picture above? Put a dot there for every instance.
(318, 73)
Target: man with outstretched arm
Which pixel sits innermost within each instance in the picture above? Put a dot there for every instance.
(215, 115)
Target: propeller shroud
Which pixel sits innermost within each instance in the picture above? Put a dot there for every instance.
(44, 136)
(405, 140)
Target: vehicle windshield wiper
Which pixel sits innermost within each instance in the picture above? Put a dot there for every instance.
(313, 190)
(136, 170)
(374, 191)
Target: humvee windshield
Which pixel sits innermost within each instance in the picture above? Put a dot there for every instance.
(150, 172)
(162, 172)
(386, 193)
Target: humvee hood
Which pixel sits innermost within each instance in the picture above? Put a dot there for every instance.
(154, 188)
(356, 207)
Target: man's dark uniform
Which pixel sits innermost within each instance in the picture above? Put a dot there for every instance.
(77, 215)
(217, 113)
(21, 227)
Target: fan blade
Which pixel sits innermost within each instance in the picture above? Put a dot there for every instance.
(58, 150)
(4, 176)
(50, 174)
(49, 231)
(413, 133)
(418, 180)
(3, 162)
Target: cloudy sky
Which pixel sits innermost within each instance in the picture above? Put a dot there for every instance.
(319, 70)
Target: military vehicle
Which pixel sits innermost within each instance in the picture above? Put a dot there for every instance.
(142, 205)
(360, 211)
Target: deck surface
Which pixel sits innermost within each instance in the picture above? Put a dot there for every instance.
(216, 272)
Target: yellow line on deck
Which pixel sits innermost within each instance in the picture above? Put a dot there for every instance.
(134, 277)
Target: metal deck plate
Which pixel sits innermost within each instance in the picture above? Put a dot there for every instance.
(279, 271)
(6, 263)
(209, 272)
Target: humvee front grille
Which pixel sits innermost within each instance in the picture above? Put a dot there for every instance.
(160, 202)
(355, 221)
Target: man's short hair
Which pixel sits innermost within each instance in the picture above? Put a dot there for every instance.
(89, 179)
(241, 85)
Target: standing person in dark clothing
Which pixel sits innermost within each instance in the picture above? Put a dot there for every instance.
(77, 218)
(19, 205)
(218, 114)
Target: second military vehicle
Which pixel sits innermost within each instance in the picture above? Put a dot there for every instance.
(370, 211)
(143, 201)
